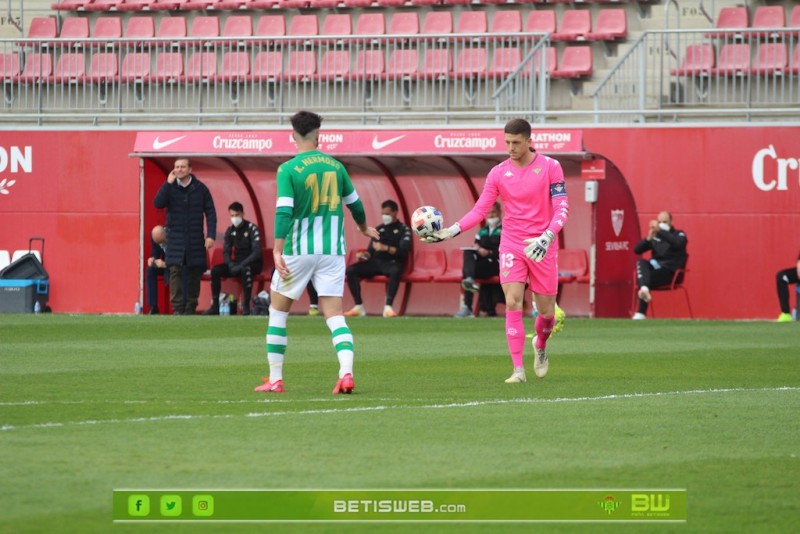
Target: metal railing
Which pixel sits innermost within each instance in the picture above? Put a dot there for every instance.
(223, 80)
(727, 74)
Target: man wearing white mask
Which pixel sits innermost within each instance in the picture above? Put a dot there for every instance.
(483, 261)
(387, 256)
(241, 252)
(668, 246)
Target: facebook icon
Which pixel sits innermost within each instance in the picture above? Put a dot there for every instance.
(138, 505)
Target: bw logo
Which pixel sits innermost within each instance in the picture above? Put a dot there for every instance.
(652, 502)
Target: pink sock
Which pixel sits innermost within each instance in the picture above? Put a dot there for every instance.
(544, 327)
(515, 334)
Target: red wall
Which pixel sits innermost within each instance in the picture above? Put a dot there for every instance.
(82, 194)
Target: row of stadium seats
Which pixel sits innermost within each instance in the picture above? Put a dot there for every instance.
(301, 65)
(735, 59)
(575, 25)
(171, 5)
(733, 18)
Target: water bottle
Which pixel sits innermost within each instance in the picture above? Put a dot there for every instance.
(225, 309)
(37, 308)
(137, 308)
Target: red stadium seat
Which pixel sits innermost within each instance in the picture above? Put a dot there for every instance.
(731, 18)
(9, 66)
(390, 3)
(198, 5)
(472, 22)
(771, 59)
(508, 22)
(403, 64)
(293, 4)
(370, 65)
(104, 67)
(204, 26)
(267, 66)
(71, 68)
(262, 4)
(235, 67)
(358, 3)
(38, 68)
(135, 67)
(238, 26)
(541, 22)
(169, 67)
(699, 59)
(171, 28)
(324, 4)
(107, 28)
(371, 24)
(202, 67)
(70, 5)
(575, 26)
(734, 59)
(573, 265)
(301, 66)
(437, 64)
(73, 28)
(453, 271)
(425, 2)
(334, 65)
(103, 5)
(429, 263)
(134, 5)
(611, 24)
(167, 5)
(303, 26)
(471, 63)
(43, 28)
(139, 28)
(337, 25)
(404, 23)
(576, 61)
(270, 26)
(794, 18)
(236, 4)
(504, 62)
(437, 22)
(771, 17)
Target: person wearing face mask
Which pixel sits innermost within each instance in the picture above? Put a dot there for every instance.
(483, 262)
(386, 255)
(241, 251)
(668, 246)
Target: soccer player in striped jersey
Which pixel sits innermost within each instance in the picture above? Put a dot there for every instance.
(531, 186)
(309, 246)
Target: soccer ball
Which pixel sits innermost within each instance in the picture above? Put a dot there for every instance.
(426, 220)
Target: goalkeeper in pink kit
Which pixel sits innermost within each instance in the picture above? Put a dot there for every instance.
(531, 187)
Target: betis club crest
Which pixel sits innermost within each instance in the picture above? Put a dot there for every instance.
(617, 217)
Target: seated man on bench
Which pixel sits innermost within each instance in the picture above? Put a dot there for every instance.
(483, 262)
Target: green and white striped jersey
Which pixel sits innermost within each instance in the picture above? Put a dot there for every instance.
(312, 190)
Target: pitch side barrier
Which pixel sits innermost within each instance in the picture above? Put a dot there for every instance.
(443, 168)
(227, 80)
(724, 75)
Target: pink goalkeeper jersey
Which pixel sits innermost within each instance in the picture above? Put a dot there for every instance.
(534, 200)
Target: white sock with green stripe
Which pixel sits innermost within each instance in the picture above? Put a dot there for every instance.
(276, 343)
(343, 343)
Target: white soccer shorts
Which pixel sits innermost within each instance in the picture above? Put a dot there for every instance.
(327, 273)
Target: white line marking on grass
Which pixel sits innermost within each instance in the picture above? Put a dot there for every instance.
(187, 417)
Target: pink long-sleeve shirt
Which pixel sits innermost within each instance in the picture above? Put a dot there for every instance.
(534, 200)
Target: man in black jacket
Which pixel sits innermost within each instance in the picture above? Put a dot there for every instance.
(241, 252)
(669, 254)
(386, 256)
(187, 201)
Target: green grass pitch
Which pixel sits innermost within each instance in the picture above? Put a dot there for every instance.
(93, 403)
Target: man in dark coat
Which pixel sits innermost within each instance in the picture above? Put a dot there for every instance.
(187, 200)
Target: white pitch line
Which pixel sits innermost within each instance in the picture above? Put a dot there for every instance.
(615, 396)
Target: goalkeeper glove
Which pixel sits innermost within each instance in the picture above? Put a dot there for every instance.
(443, 234)
(537, 247)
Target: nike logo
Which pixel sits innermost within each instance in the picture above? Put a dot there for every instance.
(158, 145)
(377, 145)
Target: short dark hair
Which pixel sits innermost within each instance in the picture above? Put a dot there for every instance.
(391, 204)
(305, 122)
(236, 206)
(518, 127)
(187, 160)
